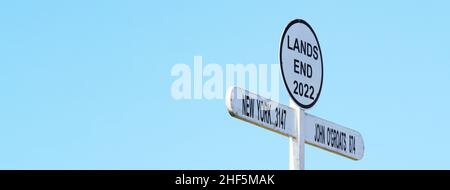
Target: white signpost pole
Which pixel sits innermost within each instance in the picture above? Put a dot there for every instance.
(297, 144)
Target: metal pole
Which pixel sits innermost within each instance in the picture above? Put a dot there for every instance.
(297, 145)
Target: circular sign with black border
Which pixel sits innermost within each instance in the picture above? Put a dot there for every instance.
(301, 63)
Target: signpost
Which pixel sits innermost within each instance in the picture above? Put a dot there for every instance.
(302, 71)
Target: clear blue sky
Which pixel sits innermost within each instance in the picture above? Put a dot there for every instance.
(86, 84)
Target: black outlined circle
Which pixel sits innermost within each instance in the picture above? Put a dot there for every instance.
(300, 21)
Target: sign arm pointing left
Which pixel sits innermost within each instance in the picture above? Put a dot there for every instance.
(261, 111)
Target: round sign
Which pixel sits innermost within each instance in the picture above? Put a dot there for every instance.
(301, 63)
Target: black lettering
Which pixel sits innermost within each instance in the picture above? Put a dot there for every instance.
(296, 45)
(252, 108)
(302, 47)
(316, 54)
(258, 108)
(309, 50)
(308, 71)
(244, 106)
(337, 139)
(344, 141)
(296, 66)
(267, 114)
(300, 89)
(289, 47)
(351, 144)
(248, 106)
(264, 112)
(307, 89)
(277, 116)
(305, 69)
(320, 134)
(312, 92)
(295, 87)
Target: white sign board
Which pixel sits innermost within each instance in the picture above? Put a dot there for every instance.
(333, 137)
(260, 111)
(301, 63)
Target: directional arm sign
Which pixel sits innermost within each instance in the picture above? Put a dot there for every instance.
(333, 137)
(260, 111)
